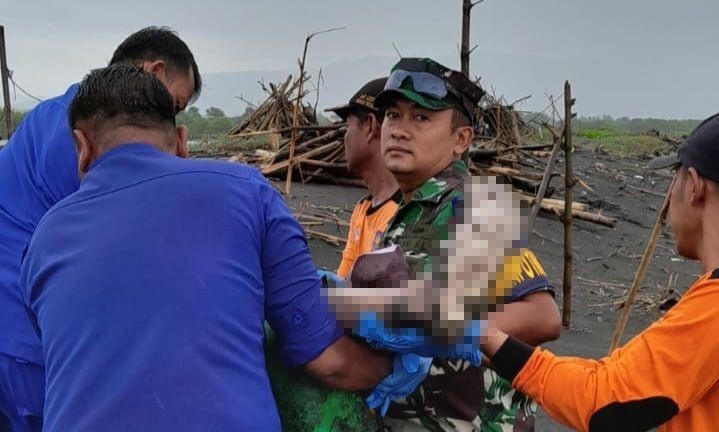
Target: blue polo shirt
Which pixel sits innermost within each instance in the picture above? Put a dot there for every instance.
(150, 286)
(38, 168)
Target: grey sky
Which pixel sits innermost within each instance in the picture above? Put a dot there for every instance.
(624, 57)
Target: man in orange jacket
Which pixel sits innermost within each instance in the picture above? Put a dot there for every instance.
(364, 160)
(668, 375)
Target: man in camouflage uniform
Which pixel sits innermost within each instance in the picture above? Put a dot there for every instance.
(427, 127)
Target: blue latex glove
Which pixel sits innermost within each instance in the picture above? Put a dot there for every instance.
(408, 371)
(328, 276)
(410, 340)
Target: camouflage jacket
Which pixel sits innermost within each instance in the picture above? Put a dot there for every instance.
(455, 396)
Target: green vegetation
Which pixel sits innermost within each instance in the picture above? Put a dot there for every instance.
(209, 126)
(17, 117)
(624, 136)
(672, 128)
(621, 142)
(222, 145)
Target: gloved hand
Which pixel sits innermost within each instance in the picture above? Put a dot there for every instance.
(408, 371)
(411, 340)
(329, 277)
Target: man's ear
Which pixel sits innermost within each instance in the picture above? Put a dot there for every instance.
(375, 127)
(698, 186)
(157, 68)
(182, 132)
(465, 134)
(85, 152)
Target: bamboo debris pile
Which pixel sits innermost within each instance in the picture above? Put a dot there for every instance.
(319, 149)
(499, 148)
(311, 217)
(319, 156)
(274, 115)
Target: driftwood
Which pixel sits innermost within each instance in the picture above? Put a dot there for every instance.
(641, 271)
(498, 149)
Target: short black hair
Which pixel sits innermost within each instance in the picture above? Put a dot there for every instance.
(124, 93)
(159, 43)
(363, 115)
(459, 119)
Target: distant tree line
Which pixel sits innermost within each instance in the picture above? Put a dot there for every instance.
(620, 124)
(213, 123)
(17, 117)
(634, 125)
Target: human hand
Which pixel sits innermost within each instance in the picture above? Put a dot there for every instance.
(408, 372)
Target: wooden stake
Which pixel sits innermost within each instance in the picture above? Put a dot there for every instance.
(4, 75)
(464, 50)
(295, 110)
(545, 183)
(641, 271)
(567, 219)
(298, 102)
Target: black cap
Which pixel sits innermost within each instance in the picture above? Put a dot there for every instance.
(431, 85)
(699, 150)
(363, 99)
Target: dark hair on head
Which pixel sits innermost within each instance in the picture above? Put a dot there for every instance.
(363, 115)
(125, 94)
(159, 43)
(459, 119)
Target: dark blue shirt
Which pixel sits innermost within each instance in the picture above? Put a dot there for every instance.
(38, 168)
(150, 285)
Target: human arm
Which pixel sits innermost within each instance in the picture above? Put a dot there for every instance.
(350, 365)
(533, 319)
(661, 372)
(298, 312)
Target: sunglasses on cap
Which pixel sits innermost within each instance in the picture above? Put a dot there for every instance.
(432, 79)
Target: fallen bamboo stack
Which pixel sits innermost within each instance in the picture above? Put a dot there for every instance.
(274, 115)
(319, 156)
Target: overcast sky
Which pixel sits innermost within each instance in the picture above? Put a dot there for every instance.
(638, 58)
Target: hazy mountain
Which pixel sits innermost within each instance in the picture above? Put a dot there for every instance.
(502, 75)
(505, 74)
(339, 81)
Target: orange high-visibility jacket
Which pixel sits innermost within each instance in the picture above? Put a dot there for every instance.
(666, 377)
(367, 227)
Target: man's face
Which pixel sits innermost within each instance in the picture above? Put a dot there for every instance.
(356, 144)
(417, 143)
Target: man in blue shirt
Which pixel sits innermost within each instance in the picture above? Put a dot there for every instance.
(38, 168)
(150, 284)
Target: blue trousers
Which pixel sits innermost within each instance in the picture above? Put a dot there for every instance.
(22, 395)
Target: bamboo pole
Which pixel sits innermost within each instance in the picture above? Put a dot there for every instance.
(567, 219)
(580, 214)
(4, 76)
(641, 271)
(270, 169)
(318, 128)
(545, 183)
(464, 50)
(296, 109)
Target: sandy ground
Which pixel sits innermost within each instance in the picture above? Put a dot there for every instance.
(605, 259)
